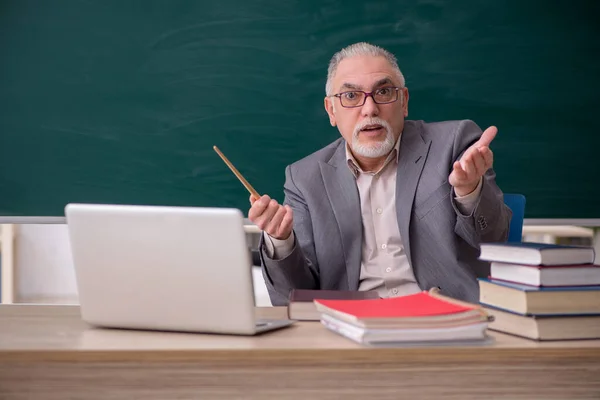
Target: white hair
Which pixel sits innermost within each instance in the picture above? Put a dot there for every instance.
(360, 49)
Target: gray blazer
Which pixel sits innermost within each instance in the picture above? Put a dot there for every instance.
(441, 243)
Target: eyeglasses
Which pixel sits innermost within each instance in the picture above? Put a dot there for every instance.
(357, 98)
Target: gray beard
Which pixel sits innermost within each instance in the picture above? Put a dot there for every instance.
(373, 150)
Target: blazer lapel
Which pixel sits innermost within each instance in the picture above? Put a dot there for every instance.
(413, 153)
(341, 189)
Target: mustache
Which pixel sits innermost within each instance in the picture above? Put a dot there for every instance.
(372, 121)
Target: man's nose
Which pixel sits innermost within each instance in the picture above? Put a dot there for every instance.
(370, 108)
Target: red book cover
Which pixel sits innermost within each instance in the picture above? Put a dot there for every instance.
(415, 305)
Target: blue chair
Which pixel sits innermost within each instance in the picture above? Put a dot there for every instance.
(516, 202)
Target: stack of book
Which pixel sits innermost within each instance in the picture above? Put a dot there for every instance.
(422, 318)
(542, 291)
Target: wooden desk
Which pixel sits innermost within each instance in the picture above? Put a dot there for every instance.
(46, 352)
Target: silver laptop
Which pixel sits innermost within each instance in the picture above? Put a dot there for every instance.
(164, 268)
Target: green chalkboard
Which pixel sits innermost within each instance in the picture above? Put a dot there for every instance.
(120, 101)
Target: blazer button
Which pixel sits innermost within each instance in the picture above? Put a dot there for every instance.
(482, 222)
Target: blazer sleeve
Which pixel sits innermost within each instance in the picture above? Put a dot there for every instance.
(490, 218)
(298, 269)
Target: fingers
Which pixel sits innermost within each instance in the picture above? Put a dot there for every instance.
(285, 229)
(457, 175)
(468, 166)
(272, 227)
(258, 208)
(461, 173)
(479, 164)
(267, 215)
(487, 136)
(476, 161)
(488, 157)
(280, 226)
(271, 217)
(253, 199)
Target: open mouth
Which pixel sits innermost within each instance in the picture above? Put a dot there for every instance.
(372, 128)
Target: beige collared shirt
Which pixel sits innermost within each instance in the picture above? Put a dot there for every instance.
(384, 264)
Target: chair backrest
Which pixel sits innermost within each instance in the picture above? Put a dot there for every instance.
(516, 202)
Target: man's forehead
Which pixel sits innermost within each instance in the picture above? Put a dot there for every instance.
(363, 71)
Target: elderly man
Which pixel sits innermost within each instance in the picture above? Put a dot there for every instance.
(394, 205)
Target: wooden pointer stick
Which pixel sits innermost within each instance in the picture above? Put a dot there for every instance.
(237, 173)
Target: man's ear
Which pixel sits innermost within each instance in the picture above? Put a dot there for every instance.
(330, 108)
(404, 94)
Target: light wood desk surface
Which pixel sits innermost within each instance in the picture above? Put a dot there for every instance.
(48, 352)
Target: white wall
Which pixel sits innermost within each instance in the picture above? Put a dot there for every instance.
(43, 264)
(44, 267)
